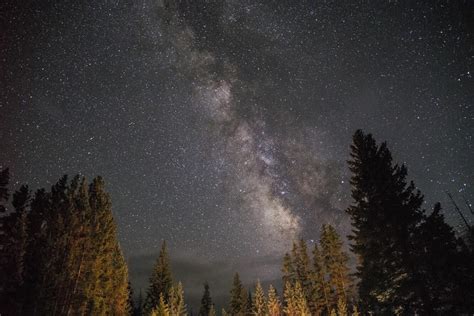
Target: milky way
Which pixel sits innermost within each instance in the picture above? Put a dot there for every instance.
(245, 147)
(224, 127)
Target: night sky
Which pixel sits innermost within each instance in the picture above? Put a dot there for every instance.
(224, 127)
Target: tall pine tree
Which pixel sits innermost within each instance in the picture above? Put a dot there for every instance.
(322, 293)
(303, 269)
(107, 288)
(161, 280)
(237, 298)
(408, 262)
(336, 263)
(385, 214)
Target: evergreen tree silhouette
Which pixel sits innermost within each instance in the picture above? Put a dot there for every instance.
(385, 215)
(408, 262)
(206, 301)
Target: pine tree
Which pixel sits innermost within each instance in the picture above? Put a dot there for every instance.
(273, 306)
(385, 214)
(296, 268)
(177, 307)
(322, 293)
(259, 301)
(409, 262)
(238, 297)
(336, 262)
(206, 301)
(302, 268)
(160, 281)
(108, 287)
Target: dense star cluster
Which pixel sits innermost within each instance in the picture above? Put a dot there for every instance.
(223, 127)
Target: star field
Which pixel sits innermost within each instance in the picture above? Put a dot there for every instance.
(223, 127)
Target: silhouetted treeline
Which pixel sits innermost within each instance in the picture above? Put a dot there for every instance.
(59, 255)
(410, 260)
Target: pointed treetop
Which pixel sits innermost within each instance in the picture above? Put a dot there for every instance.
(259, 301)
(237, 300)
(274, 306)
(161, 279)
(206, 301)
